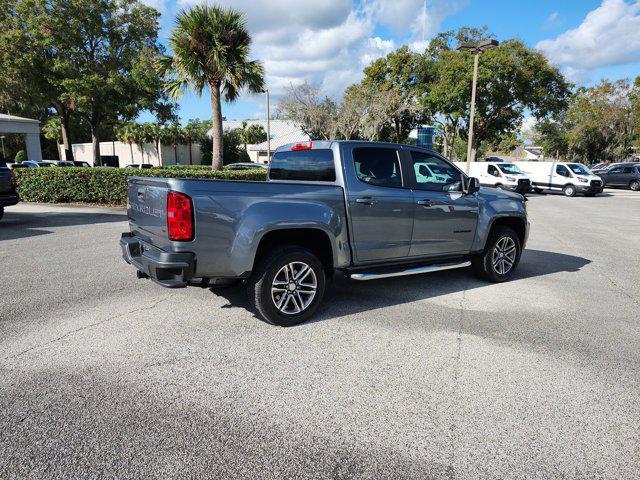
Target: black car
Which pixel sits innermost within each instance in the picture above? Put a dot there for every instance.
(8, 194)
(626, 175)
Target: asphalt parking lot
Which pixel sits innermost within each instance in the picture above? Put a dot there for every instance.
(435, 376)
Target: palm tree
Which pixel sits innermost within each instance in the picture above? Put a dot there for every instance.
(52, 130)
(174, 135)
(127, 134)
(211, 49)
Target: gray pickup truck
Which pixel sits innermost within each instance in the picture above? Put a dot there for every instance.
(354, 207)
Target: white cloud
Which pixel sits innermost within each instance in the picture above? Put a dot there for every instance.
(328, 42)
(553, 17)
(608, 36)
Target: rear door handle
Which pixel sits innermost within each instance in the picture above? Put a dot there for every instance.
(425, 203)
(365, 201)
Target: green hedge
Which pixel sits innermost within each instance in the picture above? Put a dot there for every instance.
(106, 186)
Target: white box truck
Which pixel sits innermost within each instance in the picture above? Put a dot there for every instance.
(503, 175)
(568, 178)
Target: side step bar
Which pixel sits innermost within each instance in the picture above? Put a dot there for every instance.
(410, 271)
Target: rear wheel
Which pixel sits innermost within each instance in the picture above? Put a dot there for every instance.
(287, 287)
(501, 255)
(569, 191)
(499, 186)
(635, 185)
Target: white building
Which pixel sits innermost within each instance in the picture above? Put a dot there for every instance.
(24, 126)
(282, 133)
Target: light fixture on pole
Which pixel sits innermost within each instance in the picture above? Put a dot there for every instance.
(268, 128)
(476, 49)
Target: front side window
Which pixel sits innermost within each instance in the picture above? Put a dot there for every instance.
(306, 165)
(562, 170)
(433, 173)
(493, 171)
(378, 166)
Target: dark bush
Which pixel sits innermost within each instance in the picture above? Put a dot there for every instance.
(21, 156)
(104, 185)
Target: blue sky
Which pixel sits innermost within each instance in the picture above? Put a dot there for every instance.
(328, 42)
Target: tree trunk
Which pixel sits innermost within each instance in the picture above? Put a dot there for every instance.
(175, 154)
(95, 142)
(131, 149)
(63, 113)
(216, 155)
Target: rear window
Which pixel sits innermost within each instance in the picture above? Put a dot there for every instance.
(309, 165)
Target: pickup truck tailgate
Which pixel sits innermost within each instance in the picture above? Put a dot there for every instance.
(147, 209)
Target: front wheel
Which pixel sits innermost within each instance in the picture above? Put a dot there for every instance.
(501, 255)
(635, 185)
(569, 191)
(287, 286)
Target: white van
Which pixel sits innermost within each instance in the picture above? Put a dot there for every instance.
(502, 175)
(568, 178)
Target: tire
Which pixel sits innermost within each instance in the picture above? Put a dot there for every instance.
(569, 191)
(1, 212)
(499, 186)
(538, 190)
(273, 273)
(489, 265)
(635, 185)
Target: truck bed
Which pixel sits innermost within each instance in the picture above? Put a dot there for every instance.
(230, 217)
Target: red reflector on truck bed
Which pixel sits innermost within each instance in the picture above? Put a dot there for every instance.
(302, 146)
(179, 217)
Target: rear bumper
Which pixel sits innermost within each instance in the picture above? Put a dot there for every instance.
(171, 270)
(8, 199)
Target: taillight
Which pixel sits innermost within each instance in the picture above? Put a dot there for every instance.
(302, 146)
(179, 217)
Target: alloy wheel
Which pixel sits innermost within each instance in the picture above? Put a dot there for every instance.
(294, 288)
(504, 255)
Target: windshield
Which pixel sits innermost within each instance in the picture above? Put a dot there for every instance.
(579, 169)
(509, 168)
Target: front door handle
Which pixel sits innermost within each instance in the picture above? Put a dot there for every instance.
(425, 203)
(365, 201)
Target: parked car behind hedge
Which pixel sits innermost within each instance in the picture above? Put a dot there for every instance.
(104, 185)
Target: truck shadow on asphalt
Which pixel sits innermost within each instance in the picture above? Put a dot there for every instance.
(16, 225)
(347, 297)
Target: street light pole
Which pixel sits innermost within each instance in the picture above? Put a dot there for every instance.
(476, 49)
(2, 140)
(268, 129)
(473, 111)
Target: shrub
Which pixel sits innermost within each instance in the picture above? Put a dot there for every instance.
(104, 185)
(21, 156)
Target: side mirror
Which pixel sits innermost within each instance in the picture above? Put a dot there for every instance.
(472, 185)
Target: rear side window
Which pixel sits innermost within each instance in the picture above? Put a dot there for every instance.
(378, 166)
(308, 165)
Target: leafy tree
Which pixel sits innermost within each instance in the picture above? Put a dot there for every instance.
(194, 132)
(21, 156)
(602, 121)
(52, 130)
(86, 57)
(401, 74)
(252, 134)
(551, 135)
(512, 79)
(127, 133)
(211, 49)
(173, 135)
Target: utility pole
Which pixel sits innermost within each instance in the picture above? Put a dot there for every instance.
(268, 128)
(477, 49)
(2, 140)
